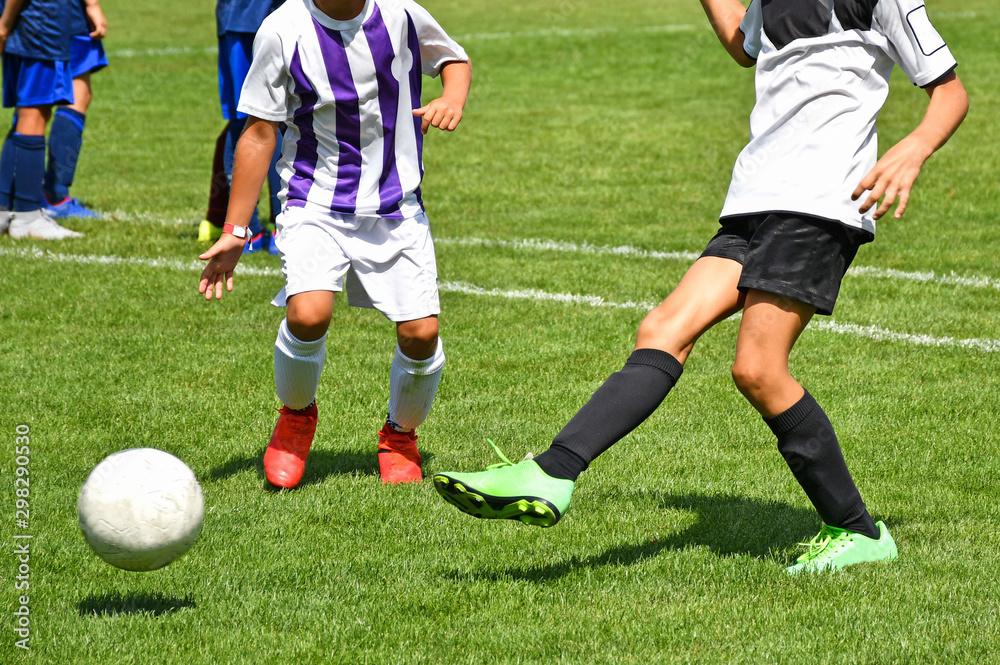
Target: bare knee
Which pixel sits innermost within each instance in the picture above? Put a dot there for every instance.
(418, 339)
(308, 314)
(751, 378)
(32, 120)
(307, 326)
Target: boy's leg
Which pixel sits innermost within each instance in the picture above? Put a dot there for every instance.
(274, 185)
(218, 196)
(299, 353)
(274, 201)
(7, 171)
(538, 491)
(65, 144)
(770, 326)
(706, 295)
(413, 382)
(27, 154)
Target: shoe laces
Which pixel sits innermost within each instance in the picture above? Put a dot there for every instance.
(505, 462)
(498, 465)
(828, 541)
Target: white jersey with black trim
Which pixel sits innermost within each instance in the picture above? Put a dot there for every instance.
(822, 77)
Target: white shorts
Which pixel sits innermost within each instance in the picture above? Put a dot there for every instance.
(388, 264)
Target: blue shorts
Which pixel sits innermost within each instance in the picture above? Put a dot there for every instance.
(87, 55)
(35, 82)
(235, 54)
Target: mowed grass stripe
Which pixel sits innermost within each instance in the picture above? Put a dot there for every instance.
(875, 333)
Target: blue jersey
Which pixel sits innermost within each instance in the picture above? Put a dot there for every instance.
(78, 24)
(42, 30)
(242, 15)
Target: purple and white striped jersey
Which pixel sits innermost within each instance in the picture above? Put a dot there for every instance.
(346, 91)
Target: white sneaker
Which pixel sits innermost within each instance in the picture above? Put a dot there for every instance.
(36, 224)
(4, 221)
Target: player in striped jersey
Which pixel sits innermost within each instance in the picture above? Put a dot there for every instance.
(344, 76)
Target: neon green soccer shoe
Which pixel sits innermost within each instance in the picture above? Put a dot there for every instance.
(834, 548)
(508, 491)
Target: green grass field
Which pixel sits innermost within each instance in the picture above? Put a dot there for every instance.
(590, 127)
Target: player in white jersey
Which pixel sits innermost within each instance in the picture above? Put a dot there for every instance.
(344, 76)
(791, 225)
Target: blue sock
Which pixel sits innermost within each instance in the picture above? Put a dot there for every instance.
(229, 158)
(7, 172)
(65, 141)
(29, 169)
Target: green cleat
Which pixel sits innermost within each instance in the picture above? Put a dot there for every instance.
(508, 491)
(834, 548)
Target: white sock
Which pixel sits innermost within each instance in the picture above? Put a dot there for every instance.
(297, 367)
(412, 386)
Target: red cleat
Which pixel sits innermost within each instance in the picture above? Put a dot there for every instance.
(285, 457)
(398, 457)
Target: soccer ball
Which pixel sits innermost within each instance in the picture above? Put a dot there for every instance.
(140, 509)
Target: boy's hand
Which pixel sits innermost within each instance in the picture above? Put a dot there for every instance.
(892, 177)
(97, 21)
(439, 113)
(222, 258)
(445, 112)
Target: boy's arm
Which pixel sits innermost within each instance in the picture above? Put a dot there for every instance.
(725, 17)
(893, 175)
(445, 112)
(96, 17)
(8, 19)
(253, 159)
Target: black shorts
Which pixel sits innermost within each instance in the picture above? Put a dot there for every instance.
(790, 254)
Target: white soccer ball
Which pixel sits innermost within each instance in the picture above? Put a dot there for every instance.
(140, 509)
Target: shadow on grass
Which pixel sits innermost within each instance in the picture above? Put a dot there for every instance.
(726, 525)
(320, 465)
(114, 604)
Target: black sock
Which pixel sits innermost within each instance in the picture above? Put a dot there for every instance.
(625, 400)
(809, 445)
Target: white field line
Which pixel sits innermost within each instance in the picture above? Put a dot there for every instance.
(876, 333)
(163, 52)
(626, 251)
(950, 279)
(96, 259)
(481, 36)
(569, 247)
(492, 36)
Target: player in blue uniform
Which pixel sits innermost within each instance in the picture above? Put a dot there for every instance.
(35, 42)
(237, 22)
(88, 27)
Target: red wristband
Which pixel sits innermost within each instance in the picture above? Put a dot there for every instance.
(238, 231)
